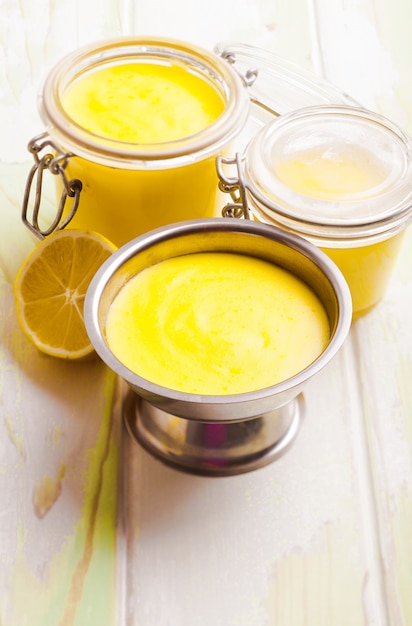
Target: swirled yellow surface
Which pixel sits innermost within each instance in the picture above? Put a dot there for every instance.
(216, 323)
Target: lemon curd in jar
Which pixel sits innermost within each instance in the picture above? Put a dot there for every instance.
(216, 323)
(144, 104)
(340, 177)
(139, 122)
(334, 173)
(329, 172)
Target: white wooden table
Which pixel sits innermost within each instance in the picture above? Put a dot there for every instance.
(93, 530)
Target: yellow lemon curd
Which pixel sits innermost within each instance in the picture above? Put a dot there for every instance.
(143, 105)
(328, 174)
(216, 323)
(367, 270)
(334, 175)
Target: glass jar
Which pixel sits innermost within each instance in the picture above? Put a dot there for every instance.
(132, 156)
(340, 176)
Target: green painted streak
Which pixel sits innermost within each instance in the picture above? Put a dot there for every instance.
(79, 587)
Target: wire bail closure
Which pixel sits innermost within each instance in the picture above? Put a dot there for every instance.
(56, 163)
(234, 186)
(249, 77)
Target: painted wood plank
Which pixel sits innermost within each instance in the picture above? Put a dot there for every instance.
(59, 441)
(384, 348)
(365, 48)
(269, 25)
(375, 67)
(60, 447)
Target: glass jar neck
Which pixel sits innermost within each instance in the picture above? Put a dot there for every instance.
(331, 171)
(207, 66)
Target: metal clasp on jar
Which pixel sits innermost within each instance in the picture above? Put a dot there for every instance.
(250, 75)
(55, 163)
(233, 185)
(249, 78)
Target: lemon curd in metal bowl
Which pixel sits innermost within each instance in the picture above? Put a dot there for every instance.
(255, 311)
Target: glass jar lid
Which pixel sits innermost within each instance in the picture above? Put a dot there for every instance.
(331, 168)
(280, 86)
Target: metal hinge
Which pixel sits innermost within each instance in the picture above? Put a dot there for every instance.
(234, 186)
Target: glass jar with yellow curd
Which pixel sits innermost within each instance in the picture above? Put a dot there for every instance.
(134, 127)
(340, 176)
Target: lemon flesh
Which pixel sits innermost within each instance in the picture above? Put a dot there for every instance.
(50, 289)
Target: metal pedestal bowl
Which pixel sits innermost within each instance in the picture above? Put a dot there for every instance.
(223, 434)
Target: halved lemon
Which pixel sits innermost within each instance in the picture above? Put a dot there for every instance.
(50, 288)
